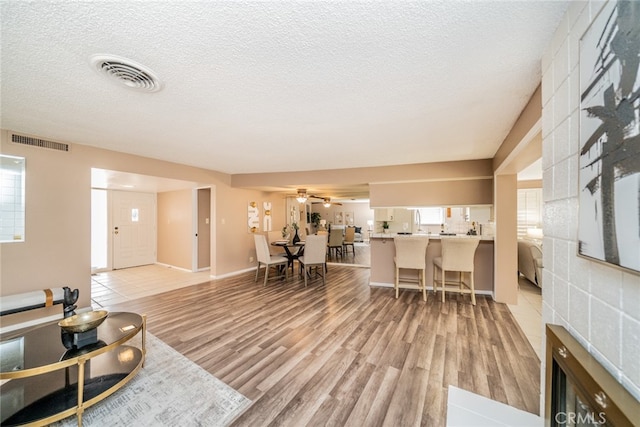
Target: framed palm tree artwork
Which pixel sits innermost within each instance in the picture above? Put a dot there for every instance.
(609, 157)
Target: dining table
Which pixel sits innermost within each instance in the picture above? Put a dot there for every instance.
(292, 250)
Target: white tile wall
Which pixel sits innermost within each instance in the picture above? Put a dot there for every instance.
(631, 296)
(579, 310)
(597, 303)
(631, 356)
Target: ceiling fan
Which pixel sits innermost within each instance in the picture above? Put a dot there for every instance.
(326, 201)
(302, 197)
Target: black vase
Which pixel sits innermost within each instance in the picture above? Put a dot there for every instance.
(296, 238)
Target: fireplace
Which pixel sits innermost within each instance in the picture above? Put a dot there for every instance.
(579, 391)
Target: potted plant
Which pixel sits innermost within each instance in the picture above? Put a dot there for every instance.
(315, 219)
(385, 226)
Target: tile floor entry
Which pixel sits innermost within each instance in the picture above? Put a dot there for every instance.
(528, 313)
(118, 286)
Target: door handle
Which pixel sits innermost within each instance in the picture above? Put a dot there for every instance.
(116, 230)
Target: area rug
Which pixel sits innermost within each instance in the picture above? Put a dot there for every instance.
(170, 390)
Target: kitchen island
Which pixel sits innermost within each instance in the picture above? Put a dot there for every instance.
(383, 268)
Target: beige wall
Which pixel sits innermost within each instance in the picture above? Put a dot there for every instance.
(57, 230)
(505, 241)
(440, 171)
(526, 121)
(234, 242)
(521, 147)
(433, 193)
(58, 216)
(175, 228)
(597, 303)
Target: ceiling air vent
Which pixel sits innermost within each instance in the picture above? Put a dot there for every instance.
(126, 72)
(37, 142)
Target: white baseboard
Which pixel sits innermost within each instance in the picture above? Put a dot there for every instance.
(233, 273)
(173, 266)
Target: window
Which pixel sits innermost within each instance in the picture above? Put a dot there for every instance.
(431, 216)
(12, 197)
(529, 212)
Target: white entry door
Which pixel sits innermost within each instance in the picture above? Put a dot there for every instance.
(133, 228)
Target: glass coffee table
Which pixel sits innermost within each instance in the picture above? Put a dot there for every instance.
(45, 379)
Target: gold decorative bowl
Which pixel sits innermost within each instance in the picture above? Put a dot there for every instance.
(83, 322)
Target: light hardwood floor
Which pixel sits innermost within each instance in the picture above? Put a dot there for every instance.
(345, 353)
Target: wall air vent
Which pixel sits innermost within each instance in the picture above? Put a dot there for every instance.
(37, 142)
(126, 72)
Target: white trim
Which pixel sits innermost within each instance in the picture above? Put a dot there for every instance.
(173, 266)
(233, 273)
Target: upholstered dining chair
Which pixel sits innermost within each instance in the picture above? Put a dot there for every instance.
(274, 236)
(411, 254)
(315, 255)
(458, 254)
(335, 241)
(266, 259)
(349, 237)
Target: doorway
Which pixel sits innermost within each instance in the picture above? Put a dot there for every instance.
(203, 231)
(123, 229)
(134, 227)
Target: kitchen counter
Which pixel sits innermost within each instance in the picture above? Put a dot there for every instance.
(430, 236)
(383, 268)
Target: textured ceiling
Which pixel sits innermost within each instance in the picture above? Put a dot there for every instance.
(277, 86)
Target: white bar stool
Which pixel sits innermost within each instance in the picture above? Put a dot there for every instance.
(411, 254)
(458, 254)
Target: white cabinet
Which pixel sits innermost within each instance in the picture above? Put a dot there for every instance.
(403, 216)
(383, 214)
(480, 213)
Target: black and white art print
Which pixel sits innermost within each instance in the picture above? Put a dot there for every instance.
(609, 173)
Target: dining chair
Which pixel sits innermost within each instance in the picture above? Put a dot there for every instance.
(266, 259)
(411, 254)
(458, 255)
(349, 238)
(335, 241)
(315, 255)
(274, 236)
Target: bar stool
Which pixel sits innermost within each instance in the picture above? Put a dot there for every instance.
(411, 254)
(458, 254)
